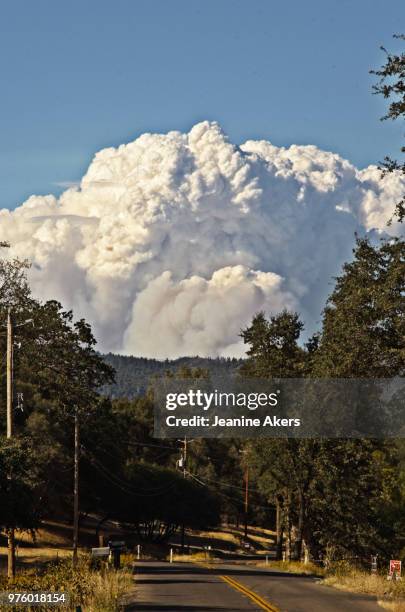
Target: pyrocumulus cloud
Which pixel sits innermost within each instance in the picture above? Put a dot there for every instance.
(172, 242)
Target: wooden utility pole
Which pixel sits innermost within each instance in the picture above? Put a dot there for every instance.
(10, 534)
(279, 528)
(246, 500)
(246, 478)
(9, 376)
(76, 490)
(181, 464)
(184, 475)
(287, 515)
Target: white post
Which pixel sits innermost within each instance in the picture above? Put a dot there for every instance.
(267, 560)
(171, 555)
(138, 551)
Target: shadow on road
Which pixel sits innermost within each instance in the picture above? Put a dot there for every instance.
(168, 585)
(190, 569)
(172, 581)
(152, 607)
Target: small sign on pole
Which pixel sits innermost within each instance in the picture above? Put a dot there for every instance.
(395, 569)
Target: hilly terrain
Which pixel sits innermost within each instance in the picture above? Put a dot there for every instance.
(133, 373)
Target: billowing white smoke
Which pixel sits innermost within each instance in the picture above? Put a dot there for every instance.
(172, 242)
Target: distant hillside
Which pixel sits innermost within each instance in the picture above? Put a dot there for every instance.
(133, 373)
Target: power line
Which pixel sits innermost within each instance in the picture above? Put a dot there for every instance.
(226, 484)
(125, 485)
(119, 449)
(117, 482)
(172, 448)
(239, 500)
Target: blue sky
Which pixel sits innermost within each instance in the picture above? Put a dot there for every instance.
(81, 75)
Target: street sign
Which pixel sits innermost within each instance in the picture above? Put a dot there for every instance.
(395, 568)
(100, 552)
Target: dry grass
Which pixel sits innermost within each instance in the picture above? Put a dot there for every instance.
(51, 534)
(268, 532)
(50, 543)
(394, 606)
(36, 557)
(390, 594)
(98, 590)
(223, 536)
(264, 538)
(108, 590)
(44, 562)
(203, 557)
(292, 567)
(267, 544)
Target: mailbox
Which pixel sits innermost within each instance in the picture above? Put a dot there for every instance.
(100, 552)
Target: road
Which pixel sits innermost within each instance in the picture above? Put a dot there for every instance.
(186, 587)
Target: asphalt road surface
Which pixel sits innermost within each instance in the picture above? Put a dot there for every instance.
(186, 587)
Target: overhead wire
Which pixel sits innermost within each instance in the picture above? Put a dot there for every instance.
(239, 500)
(153, 492)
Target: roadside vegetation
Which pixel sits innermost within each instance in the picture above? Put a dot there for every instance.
(390, 594)
(293, 567)
(96, 590)
(343, 576)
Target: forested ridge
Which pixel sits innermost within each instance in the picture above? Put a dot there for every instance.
(132, 374)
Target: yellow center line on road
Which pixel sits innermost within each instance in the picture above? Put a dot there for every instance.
(257, 599)
(262, 603)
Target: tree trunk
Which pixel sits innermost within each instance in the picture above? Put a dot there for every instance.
(287, 515)
(76, 490)
(279, 527)
(300, 530)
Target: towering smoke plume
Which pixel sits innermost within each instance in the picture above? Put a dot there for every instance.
(172, 242)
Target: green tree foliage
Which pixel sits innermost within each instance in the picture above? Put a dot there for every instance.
(20, 484)
(133, 374)
(154, 501)
(363, 333)
(57, 374)
(391, 86)
(123, 478)
(341, 494)
(54, 358)
(273, 347)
